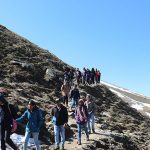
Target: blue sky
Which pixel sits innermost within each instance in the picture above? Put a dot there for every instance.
(112, 35)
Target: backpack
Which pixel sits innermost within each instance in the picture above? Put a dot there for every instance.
(14, 126)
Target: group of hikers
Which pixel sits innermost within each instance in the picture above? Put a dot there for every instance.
(84, 108)
(84, 114)
(86, 76)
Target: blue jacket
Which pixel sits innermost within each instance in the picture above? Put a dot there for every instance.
(34, 118)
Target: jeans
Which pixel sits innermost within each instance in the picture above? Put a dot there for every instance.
(35, 137)
(59, 130)
(80, 126)
(91, 121)
(74, 102)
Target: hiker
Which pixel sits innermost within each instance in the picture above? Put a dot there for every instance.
(35, 119)
(7, 115)
(75, 96)
(66, 76)
(59, 118)
(91, 109)
(88, 76)
(84, 76)
(65, 89)
(83, 98)
(92, 76)
(97, 76)
(78, 76)
(71, 75)
(81, 116)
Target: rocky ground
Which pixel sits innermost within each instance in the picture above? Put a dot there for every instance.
(29, 72)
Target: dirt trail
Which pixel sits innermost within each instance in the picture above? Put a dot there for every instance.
(71, 144)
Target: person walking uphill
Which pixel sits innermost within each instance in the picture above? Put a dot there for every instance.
(90, 104)
(81, 116)
(35, 119)
(7, 114)
(59, 118)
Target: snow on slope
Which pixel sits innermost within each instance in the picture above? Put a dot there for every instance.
(135, 100)
(19, 140)
(123, 89)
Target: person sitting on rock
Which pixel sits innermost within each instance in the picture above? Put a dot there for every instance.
(91, 109)
(75, 96)
(35, 119)
(81, 116)
(7, 114)
(59, 118)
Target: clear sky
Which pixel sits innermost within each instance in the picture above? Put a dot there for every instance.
(111, 35)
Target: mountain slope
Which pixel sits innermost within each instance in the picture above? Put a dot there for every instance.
(29, 72)
(23, 65)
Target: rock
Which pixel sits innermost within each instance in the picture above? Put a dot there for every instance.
(73, 125)
(51, 73)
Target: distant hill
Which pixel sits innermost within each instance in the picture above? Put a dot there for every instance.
(30, 72)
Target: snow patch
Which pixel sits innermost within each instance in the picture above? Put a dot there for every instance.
(122, 89)
(148, 114)
(137, 106)
(19, 139)
(118, 93)
(146, 105)
(133, 103)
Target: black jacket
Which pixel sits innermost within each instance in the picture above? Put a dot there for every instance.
(60, 117)
(8, 116)
(75, 94)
